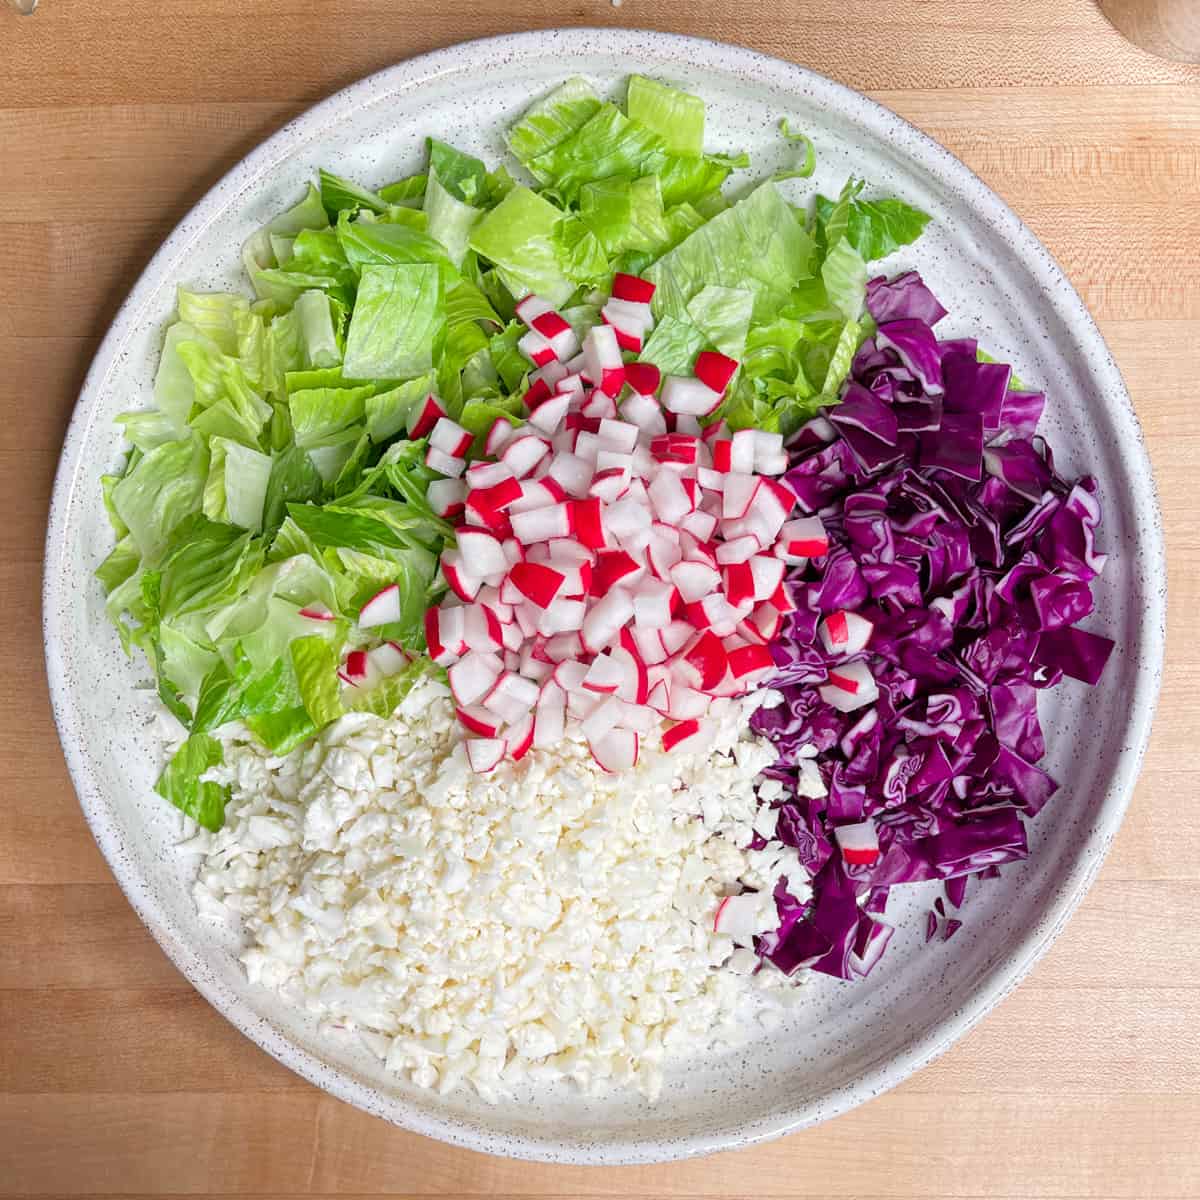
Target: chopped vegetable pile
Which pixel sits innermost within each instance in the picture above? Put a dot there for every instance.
(550, 437)
(959, 563)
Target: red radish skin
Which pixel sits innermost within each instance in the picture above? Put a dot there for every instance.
(315, 613)
(714, 370)
(537, 582)
(633, 288)
(680, 732)
(430, 413)
(383, 608)
(643, 378)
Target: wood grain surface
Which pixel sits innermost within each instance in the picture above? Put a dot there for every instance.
(115, 1077)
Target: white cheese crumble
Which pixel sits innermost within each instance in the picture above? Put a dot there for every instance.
(544, 921)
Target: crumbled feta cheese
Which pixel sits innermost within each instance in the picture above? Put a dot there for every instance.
(543, 921)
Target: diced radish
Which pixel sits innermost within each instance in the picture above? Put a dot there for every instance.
(317, 612)
(635, 679)
(739, 583)
(631, 319)
(741, 452)
(485, 754)
(571, 473)
(476, 719)
(643, 378)
(481, 628)
(562, 616)
(686, 737)
(768, 575)
(804, 537)
(463, 583)
(663, 550)
(587, 523)
(511, 697)
(538, 392)
(669, 497)
(447, 496)
(659, 697)
(676, 635)
(711, 433)
(610, 485)
(550, 414)
(844, 632)
(685, 703)
(616, 751)
(598, 406)
(649, 646)
(512, 635)
(714, 370)
(694, 580)
(859, 843)
(741, 917)
(539, 583)
(542, 524)
(606, 619)
(849, 687)
(549, 718)
(520, 738)
(450, 438)
(722, 457)
(652, 603)
(536, 348)
(604, 675)
(563, 646)
(748, 664)
(766, 620)
(738, 495)
(633, 288)
(707, 660)
(681, 395)
(522, 456)
(481, 475)
(444, 464)
(536, 493)
(382, 608)
(473, 676)
(643, 411)
(613, 567)
(738, 550)
(603, 718)
(602, 363)
(621, 436)
(444, 635)
(552, 374)
(482, 552)
(356, 670)
(701, 525)
(427, 416)
(498, 496)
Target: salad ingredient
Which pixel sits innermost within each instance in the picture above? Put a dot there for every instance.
(321, 426)
(618, 566)
(547, 921)
(942, 595)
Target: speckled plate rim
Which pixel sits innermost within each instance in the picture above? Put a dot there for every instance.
(994, 985)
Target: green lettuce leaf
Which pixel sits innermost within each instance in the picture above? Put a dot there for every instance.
(180, 782)
(673, 345)
(237, 482)
(552, 120)
(875, 228)
(315, 663)
(342, 195)
(844, 274)
(757, 243)
(398, 317)
(520, 236)
(723, 316)
(609, 143)
(677, 117)
(165, 487)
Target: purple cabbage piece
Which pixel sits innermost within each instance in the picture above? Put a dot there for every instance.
(952, 532)
(905, 297)
(914, 342)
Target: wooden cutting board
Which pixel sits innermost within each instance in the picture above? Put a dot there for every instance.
(115, 1077)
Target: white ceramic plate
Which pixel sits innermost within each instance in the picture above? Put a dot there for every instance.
(850, 1041)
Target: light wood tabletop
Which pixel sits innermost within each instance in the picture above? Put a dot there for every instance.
(115, 1076)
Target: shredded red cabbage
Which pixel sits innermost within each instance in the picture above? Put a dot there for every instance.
(952, 532)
